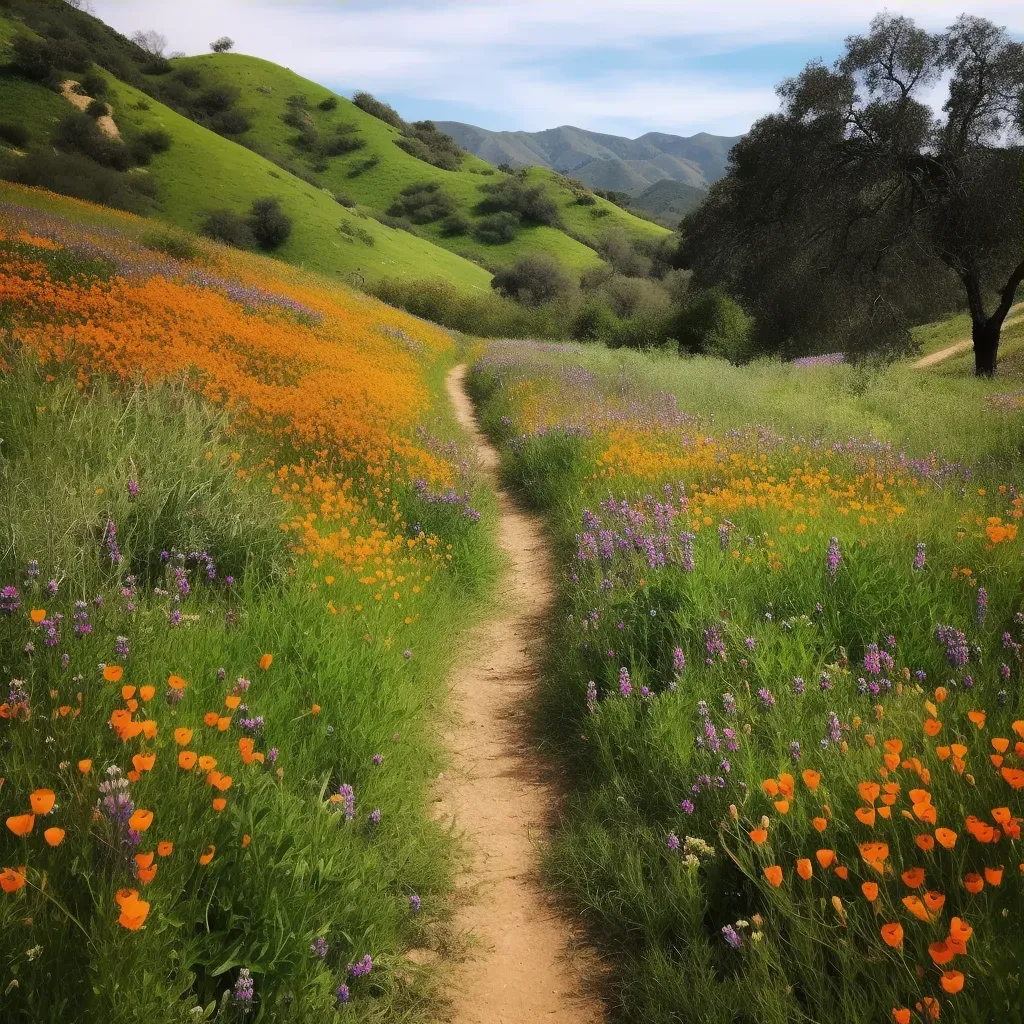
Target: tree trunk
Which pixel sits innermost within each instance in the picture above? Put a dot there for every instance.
(986, 345)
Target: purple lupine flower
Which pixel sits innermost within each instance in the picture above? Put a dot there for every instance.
(133, 489)
(833, 557)
(872, 659)
(625, 686)
(110, 542)
(750, 643)
(348, 800)
(824, 682)
(968, 682)
(919, 558)
(82, 625)
(798, 685)
(955, 642)
(378, 759)
(362, 967)
(672, 842)
(375, 816)
(678, 660)
(794, 750)
(834, 731)
(766, 698)
(244, 991)
(415, 903)
(731, 743)
(728, 703)
(687, 807)
(272, 754)
(981, 609)
(319, 947)
(341, 995)
(121, 647)
(686, 540)
(32, 569)
(731, 936)
(52, 587)
(10, 600)
(1004, 670)
(591, 696)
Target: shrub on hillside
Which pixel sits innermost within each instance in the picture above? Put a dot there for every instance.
(713, 323)
(530, 202)
(356, 233)
(423, 203)
(532, 280)
(269, 224)
(344, 199)
(173, 243)
(455, 225)
(594, 320)
(425, 141)
(362, 166)
(623, 254)
(222, 45)
(94, 84)
(71, 174)
(378, 109)
(97, 109)
(79, 133)
(330, 103)
(344, 139)
(39, 59)
(14, 133)
(228, 227)
(497, 229)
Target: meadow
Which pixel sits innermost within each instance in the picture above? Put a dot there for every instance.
(784, 677)
(239, 542)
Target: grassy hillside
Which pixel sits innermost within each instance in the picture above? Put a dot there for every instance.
(266, 87)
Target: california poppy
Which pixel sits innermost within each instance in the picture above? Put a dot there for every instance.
(143, 860)
(12, 879)
(133, 911)
(21, 824)
(942, 753)
(940, 952)
(973, 883)
(246, 839)
(176, 682)
(222, 724)
(782, 806)
(812, 779)
(916, 907)
(210, 718)
(112, 673)
(147, 874)
(187, 760)
(952, 981)
(946, 837)
(208, 855)
(140, 820)
(960, 931)
(758, 835)
(1000, 743)
(54, 836)
(868, 791)
(820, 823)
(932, 726)
(85, 765)
(940, 694)
(885, 811)
(315, 709)
(774, 875)
(934, 901)
(144, 762)
(1018, 728)
(959, 750)
(1014, 776)
(994, 876)
(894, 746)
(147, 693)
(804, 868)
(786, 784)
(914, 877)
(825, 857)
(266, 661)
(165, 848)
(42, 801)
(1001, 815)
(902, 1015)
(37, 615)
(842, 871)
(892, 761)
(149, 728)
(207, 763)
(865, 815)
(183, 737)
(931, 1007)
(870, 890)
(127, 692)
(232, 700)
(977, 717)
(219, 803)
(892, 934)
(925, 841)
(926, 813)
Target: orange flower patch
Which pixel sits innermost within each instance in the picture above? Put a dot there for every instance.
(774, 875)
(12, 879)
(54, 836)
(892, 934)
(42, 801)
(21, 824)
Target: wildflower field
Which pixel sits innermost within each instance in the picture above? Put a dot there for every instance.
(785, 677)
(237, 541)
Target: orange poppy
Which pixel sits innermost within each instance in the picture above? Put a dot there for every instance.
(942, 753)
(994, 876)
(812, 779)
(42, 801)
(868, 791)
(219, 803)
(12, 879)
(37, 615)
(222, 724)
(1001, 815)
(940, 694)
(866, 815)
(146, 875)
(207, 763)
(54, 836)
(892, 761)
(914, 877)
(946, 837)
(825, 857)
(187, 760)
(144, 762)
(774, 875)
(894, 746)
(842, 871)
(222, 782)
(926, 813)
(959, 930)
(925, 841)
(885, 811)
(1000, 744)
(266, 661)
(21, 824)
(973, 883)
(127, 692)
(112, 673)
(165, 848)
(315, 709)
(133, 911)
(932, 726)
(901, 1015)
(134, 776)
(997, 760)
(951, 981)
(916, 907)
(786, 784)
(232, 700)
(931, 1007)
(820, 824)
(149, 728)
(977, 717)
(758, 835)
(1018, 728)
(147, 693)
(183, 737)
(804, 868)
(123, 896)
(85, 765)
(941, 952)
(140, 820)
(934, 901)
(132, 705)
(870, 890)
(143, 860)
(1014, 776)
(208, 855)
(959, 750)
(176, 682)
(782, 806)
(210, 718)
(892, 934)
(920, 796)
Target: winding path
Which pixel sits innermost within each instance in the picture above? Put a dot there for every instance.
(933, 358)
(526, 963)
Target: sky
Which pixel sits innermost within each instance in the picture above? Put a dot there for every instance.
(624, 67)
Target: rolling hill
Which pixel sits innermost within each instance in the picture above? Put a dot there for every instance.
(668, 201)
(602, 161)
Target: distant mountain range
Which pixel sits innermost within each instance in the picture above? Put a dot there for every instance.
(643, 168)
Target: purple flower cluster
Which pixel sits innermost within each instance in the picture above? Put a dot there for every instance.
(833, 557)
(449, 497)
(957, 651)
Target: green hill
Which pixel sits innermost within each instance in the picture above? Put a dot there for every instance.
(375, 173)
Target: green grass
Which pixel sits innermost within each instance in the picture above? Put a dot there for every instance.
(266, 88)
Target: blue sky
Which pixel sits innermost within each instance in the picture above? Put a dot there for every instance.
(618, 66)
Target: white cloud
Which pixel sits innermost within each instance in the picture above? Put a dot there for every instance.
(520, 62)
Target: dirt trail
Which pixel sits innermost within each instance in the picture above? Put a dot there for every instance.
(964, 344)
(526, 963)
(105, 123)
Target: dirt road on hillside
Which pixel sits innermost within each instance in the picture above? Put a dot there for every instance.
(964, 344)
(527, 964)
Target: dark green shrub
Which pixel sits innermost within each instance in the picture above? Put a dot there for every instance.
(230, 122)
(94, 84)
(426, 142)
(158, 140)
(222, 45)
(363, 166)
(423, 203)
(174, 243)
(355, 232)
(532, 280)
(14, 133)
(343, 199)
(72, 174)
(228, 227)
(378, 109)
(217, 99)
(343, 140)
(714, 323)
(269, 224)
(455, 225)
(189, 77)
(586, 199)
(497, 229)
(330, 103)
(594, 321)
(97, 109)
(79, 133)
(617, 248)
(32, 58)
(512, 195)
